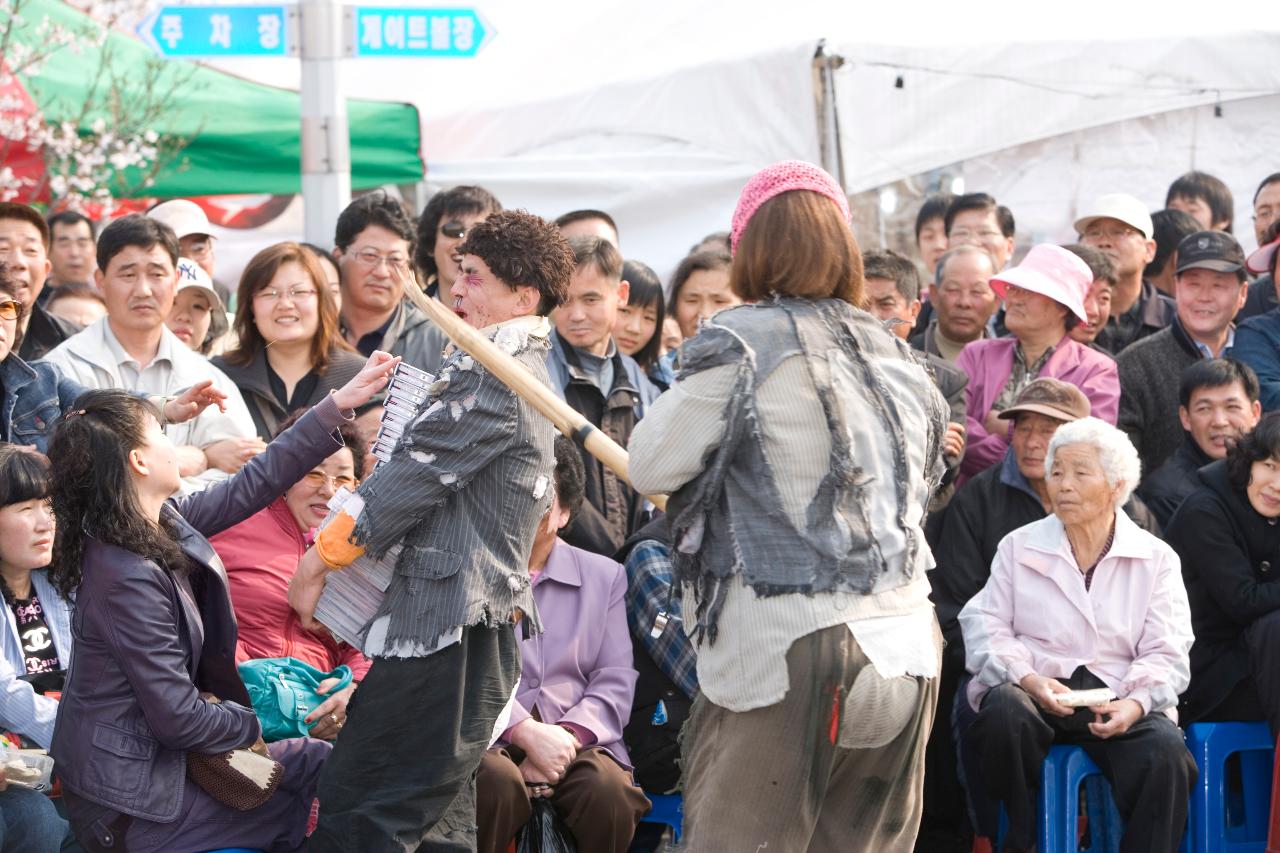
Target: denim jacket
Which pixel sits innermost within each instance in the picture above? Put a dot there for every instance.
(727, 521)
(34, 396)
(23, 710)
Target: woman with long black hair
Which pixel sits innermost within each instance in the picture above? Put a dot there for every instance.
(153, 679)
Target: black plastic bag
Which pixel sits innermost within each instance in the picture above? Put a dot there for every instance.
(545, 832)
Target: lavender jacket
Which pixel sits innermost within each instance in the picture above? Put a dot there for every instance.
(988, 365)
(579, 671)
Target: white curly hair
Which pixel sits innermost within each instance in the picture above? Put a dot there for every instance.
(1116, 453)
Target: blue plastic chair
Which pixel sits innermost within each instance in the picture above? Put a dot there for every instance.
(1074, 768)
(667, 809)
(1211, 744)
(1065, 770)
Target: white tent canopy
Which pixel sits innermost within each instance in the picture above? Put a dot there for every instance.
(659, 112)
(1045, 127)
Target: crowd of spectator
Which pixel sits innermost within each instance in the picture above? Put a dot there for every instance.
(1104, 513)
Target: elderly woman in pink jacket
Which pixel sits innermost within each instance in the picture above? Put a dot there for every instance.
(1084, 600)
(1044, 299)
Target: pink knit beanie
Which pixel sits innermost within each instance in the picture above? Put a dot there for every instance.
(782, 178)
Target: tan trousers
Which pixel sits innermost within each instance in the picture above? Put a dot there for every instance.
(838, 765)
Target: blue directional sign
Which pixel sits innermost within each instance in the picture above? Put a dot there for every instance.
(218, 31)
(402, 32)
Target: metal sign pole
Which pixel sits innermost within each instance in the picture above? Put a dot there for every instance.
(322, 33)
(326, 143)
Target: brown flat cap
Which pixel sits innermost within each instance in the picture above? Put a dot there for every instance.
(1052, 398)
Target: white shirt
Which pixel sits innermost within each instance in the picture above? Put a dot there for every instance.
(96, 359)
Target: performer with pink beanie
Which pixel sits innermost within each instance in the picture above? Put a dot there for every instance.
(800, 444)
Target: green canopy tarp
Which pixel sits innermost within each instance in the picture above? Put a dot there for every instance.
(242, 137)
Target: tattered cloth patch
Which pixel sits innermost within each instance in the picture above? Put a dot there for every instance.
(540, 486)
(511, 339)
(240, 779)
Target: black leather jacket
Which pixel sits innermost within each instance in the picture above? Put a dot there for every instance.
(147, 642)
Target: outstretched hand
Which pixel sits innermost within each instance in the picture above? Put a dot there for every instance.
(371, 379)
(193, 401)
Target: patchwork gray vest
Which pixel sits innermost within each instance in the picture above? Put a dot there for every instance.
(730, 519)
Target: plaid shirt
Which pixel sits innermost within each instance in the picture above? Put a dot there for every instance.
(1020, 377)
(654, 614)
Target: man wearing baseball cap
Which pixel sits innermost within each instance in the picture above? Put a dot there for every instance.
(1120, 226)
(990, 506)
(1258, 338)
(195, 238)
(1209, 285)
(1044, 299)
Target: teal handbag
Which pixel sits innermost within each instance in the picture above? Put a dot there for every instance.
(283, 692)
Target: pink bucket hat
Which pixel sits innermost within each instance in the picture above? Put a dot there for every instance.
(782, 178)
(1051, 271)
(1260, 261)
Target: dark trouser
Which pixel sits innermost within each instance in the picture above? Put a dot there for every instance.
(279, 825)
(402, 776)
(597, 800)
(1148, 766)
(1257, 696)
(944, 824)
(984, 812)
(1263, 638)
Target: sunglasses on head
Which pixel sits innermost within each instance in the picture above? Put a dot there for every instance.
(453, 230)
(10, 309)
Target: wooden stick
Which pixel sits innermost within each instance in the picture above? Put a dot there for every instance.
(514, 375)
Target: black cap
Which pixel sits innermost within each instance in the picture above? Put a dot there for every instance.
(1209, 250)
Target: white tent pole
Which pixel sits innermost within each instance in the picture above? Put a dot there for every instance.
(824, 69)
(326, 144)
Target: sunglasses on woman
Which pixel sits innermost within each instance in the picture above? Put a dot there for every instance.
(454, 230)
(320, 479)
(10, 309)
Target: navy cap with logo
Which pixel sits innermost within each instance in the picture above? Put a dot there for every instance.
(1209, 250)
